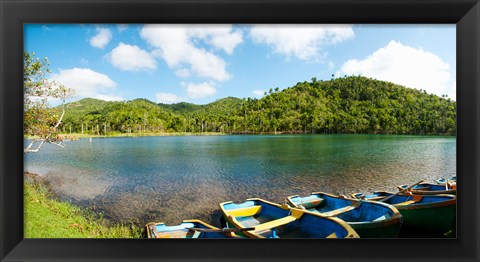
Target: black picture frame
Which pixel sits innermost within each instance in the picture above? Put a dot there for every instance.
(464, 13)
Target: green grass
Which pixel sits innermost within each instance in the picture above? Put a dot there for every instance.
(46, 217)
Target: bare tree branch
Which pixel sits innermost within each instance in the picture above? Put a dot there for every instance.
(42, 141)
(29, 146)
(42, 123)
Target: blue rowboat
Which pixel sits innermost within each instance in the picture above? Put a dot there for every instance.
(184, 230)
(271, 220)
(442, 181)
(431, 189)
(369, 219)
(421, 213)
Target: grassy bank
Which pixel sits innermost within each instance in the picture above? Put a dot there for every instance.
(46, 217)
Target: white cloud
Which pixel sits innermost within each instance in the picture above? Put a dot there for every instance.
(85, 82)
(167, 98)
(302, 41)
(220, 36)
(403, 65)
(108, 97)
(182, 73)
(178, 46)
(131, 58)
(200, 90)
(101, 39)
(258, 92)
(206, 64)
(452, 91)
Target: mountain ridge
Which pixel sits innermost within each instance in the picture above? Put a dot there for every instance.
(352, 104)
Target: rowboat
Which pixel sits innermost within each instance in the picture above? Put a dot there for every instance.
(193, 228)
(369, 219)
(431, 189)
(442, 181)
(271, 220)
(421, 213)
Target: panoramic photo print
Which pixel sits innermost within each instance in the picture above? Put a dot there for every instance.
(239, 131)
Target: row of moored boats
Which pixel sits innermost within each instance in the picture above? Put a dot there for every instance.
(423, 209)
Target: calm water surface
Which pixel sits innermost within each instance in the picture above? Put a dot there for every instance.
(174, 178)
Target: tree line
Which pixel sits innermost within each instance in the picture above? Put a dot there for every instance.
(345, 105)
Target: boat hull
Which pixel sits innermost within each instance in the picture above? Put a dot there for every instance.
(384, 230)
(427, 222)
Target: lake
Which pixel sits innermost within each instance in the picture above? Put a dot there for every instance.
(173, 178)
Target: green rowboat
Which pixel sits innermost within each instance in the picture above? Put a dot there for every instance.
(423, 215)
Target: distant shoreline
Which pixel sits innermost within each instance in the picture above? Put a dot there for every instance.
(75, 136)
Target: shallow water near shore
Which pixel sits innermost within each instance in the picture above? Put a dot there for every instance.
(170, 179)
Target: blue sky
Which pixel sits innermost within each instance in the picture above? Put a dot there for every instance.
(203, 63)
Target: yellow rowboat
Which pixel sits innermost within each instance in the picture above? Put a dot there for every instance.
(271, 220)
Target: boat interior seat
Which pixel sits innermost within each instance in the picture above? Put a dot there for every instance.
(332, 235)
(415, 199)
(245, 211)
(268, 233)
(275, 223)
(196, 234)
(384, 217)
(294, 215)
(405, 203)
(178, 234)
(313, 203)
(339, 211)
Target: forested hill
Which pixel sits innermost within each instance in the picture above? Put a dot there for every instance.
(221, 106)
(343, 105)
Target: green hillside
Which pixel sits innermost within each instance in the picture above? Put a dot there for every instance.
(221, 106)
(343, 105)
(182, 107)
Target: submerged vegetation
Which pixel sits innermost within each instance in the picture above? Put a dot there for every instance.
(353, 105)
(46, 217)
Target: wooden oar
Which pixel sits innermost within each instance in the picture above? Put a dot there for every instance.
(399, 192)
(222, 230)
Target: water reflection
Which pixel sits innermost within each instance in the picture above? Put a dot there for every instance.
(174, 178)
